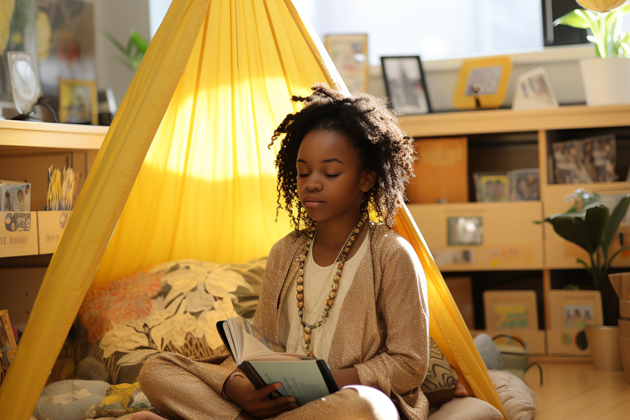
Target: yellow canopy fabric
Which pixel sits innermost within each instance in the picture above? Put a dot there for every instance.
(185, 172)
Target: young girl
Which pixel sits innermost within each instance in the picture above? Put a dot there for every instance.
(340, 287)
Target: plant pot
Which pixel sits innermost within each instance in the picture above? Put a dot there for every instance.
(624, 328)
(606, 80)
(603, 341)
(624, 309)
(624, 346)
(621, 284)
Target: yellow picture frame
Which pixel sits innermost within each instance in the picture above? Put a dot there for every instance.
(509, 309)
(343, 51)
(78, 103)
(482, 83)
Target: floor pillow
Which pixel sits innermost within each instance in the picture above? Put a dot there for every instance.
(441, 378)
(69, 400)
(468, 408)
(517, 398)
(172, 307)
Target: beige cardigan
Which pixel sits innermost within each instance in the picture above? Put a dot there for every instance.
(383, 327)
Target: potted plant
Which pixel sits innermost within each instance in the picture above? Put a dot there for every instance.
(590, 225)
(134, 52)
(606, 78)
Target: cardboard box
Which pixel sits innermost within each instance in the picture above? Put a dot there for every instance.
(461, 290)
(441, 171)
(15, 196)
(18, 234)
(51, 226)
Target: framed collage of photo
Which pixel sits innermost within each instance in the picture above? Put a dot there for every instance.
(575, 308)
(482, 83)
(350, 55)
(510, 309)
(78, 103)
(405, 84)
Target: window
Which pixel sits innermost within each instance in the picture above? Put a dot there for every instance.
(433, 29)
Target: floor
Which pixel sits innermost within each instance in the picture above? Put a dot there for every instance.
(577, 391)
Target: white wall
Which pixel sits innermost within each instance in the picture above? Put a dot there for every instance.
(119, 18)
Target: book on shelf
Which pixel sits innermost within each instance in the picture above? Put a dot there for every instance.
(264, 362)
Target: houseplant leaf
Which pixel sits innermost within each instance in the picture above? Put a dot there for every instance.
(114, 41)
(572, 228)
(595, 222)
(613, 223)
(573, 19)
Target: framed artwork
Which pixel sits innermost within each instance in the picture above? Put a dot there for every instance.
(8, 346)
(533, 91)
(510, 309)
(78, 102)
(587, 160)
(350, 55)
(482, 83)
(524, 184)
(464, 230)
(24, 81)
(405, 84)
(492, 186)
(575, 308)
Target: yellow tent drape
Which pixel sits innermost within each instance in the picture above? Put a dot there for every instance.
(185, 172)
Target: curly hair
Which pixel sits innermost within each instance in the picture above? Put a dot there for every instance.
(374, 131)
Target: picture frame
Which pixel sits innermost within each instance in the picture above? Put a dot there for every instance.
(405, 84)
(78, 103)
(533, 91)
(492, 187)
(524, 184)
(464, 230)
(585, 161)
(510, 309)
(8, 346)
(25, 83)
(349, 53)
(482, 83)
(575, 308)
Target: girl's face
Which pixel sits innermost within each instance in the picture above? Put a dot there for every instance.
(330, 179)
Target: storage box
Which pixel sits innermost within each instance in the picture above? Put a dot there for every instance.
(18, 234)
(51, 226)
(15, 196)
(441, 172)
(567, 342)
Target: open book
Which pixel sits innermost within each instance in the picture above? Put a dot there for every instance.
(264, 362)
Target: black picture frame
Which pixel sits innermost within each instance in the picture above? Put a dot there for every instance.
(409, 97)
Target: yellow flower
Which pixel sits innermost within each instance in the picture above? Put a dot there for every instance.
(6, 13)
(601, 6)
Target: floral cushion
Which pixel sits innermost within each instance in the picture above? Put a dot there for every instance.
(172, 307)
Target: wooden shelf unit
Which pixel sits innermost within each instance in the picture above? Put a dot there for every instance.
(512, 224)
(27, 149)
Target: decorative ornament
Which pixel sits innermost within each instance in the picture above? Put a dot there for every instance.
(339, 262)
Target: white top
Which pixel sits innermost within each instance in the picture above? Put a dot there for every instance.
(317, 282)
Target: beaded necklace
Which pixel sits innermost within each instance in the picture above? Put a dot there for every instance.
(339, 261)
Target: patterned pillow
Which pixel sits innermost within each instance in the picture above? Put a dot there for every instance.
(173, 307)
(120, 400)
(441, 378)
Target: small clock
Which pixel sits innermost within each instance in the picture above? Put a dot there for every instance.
(24, 81)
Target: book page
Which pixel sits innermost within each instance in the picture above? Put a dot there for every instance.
(254, 343)
(301, 380)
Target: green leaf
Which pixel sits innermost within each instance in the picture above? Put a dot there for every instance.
(114, 41)
(613, 223)
(139, 42)
(595, 223)
(572, 229)
(573, 19)
(619, 251)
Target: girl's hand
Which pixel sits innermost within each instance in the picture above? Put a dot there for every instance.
(242, 392)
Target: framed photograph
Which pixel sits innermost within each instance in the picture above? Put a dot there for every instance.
(8, 345)
(533, 91)
(492, 186)
(585, 161)
(464, 231)
(78, 102)
(575, 308)
(524, 184)
(24, 81)
(350, 55)
(405, 84)
(510, 309)
(482, 83)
